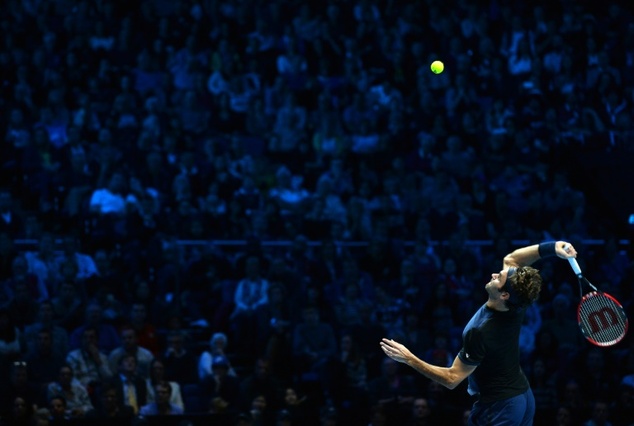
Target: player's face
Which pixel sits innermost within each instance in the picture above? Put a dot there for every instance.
(498, 280)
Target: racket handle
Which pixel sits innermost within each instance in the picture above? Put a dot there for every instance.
(574, 265)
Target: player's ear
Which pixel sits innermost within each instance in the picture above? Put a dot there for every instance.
(505, 295)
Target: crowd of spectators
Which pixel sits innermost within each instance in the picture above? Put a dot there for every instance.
(220, 207)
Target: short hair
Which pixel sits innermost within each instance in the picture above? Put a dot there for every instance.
(66, 365)
(164, 384)
(107, 387)
(90, 328)
(45, 330)
(58, 396)
(126, 356)
(45, 302)
(526, 283)
(218, 336)
(128, 328)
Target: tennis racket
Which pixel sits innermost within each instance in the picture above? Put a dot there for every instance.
(601, 317)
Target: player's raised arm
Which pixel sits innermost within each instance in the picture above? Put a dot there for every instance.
(528, 255)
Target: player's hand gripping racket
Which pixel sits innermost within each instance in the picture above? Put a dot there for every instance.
(601, 317)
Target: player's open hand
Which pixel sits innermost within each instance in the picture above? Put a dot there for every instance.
(395, 350)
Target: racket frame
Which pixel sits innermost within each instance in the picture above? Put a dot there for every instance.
(586, 297)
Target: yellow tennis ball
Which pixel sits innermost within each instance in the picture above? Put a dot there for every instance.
(437, 67)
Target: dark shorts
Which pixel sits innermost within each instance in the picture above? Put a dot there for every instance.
(516, 411)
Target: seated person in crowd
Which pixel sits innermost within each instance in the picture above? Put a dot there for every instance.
(68, 308)
(217, 347)
(109, 405)
(44, 364)
(75, 394)
(108, 337)
(45, 320)
(59, 410)
(157, 375)
(19, 385)
(221, 386)
(131, 388)
(130, 346)
(90, 364)
(145, 330)
(162, 405)
(180, 362)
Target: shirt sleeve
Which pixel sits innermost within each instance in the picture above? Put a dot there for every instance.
(473, 350)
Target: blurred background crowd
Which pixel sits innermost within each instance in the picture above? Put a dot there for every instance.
(215, 209)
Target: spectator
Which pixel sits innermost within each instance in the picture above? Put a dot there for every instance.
(10, 341)
(19, 385)
(162, 406)
(22, 307)
(44, 363)
(562, 326)
(274, 325)
(43, 263)
(21, 413)
(221, 387)
(85, 266)
(294, 408)
(544, 385)
(10, 220)
(58, 409)
(157, 374)
(45, 321)
(109, 406)
(421, 414)
(130, 346)
(217, 351)
(93, 318)
(250, 293)
(314, 347)
(261, 382)
(599, 415)
(76, 397)
(20, 274)
(68, 308)
(146, 331)
(179, 361)
(392, 390)
(349, 373)
(131, 388)
(89, 362)
(112, 199)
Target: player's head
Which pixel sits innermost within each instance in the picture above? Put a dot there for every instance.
(523, 285)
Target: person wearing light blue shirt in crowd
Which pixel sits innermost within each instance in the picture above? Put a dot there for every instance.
(162, 405)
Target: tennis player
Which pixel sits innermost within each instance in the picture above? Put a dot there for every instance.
(490, 354)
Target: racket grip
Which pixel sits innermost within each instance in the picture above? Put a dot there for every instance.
(574, 265)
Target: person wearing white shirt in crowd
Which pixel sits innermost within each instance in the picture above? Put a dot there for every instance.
(112, 199)
(89, 363)
(217, 346)
(43, 262)
(86, 266)
(76, 396)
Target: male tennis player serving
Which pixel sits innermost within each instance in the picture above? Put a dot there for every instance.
(490, 354)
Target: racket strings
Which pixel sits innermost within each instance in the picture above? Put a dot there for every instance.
(602, 319)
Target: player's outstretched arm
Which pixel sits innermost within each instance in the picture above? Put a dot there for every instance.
(450, 377)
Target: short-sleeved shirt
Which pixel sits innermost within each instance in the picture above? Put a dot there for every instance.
(491, 341)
